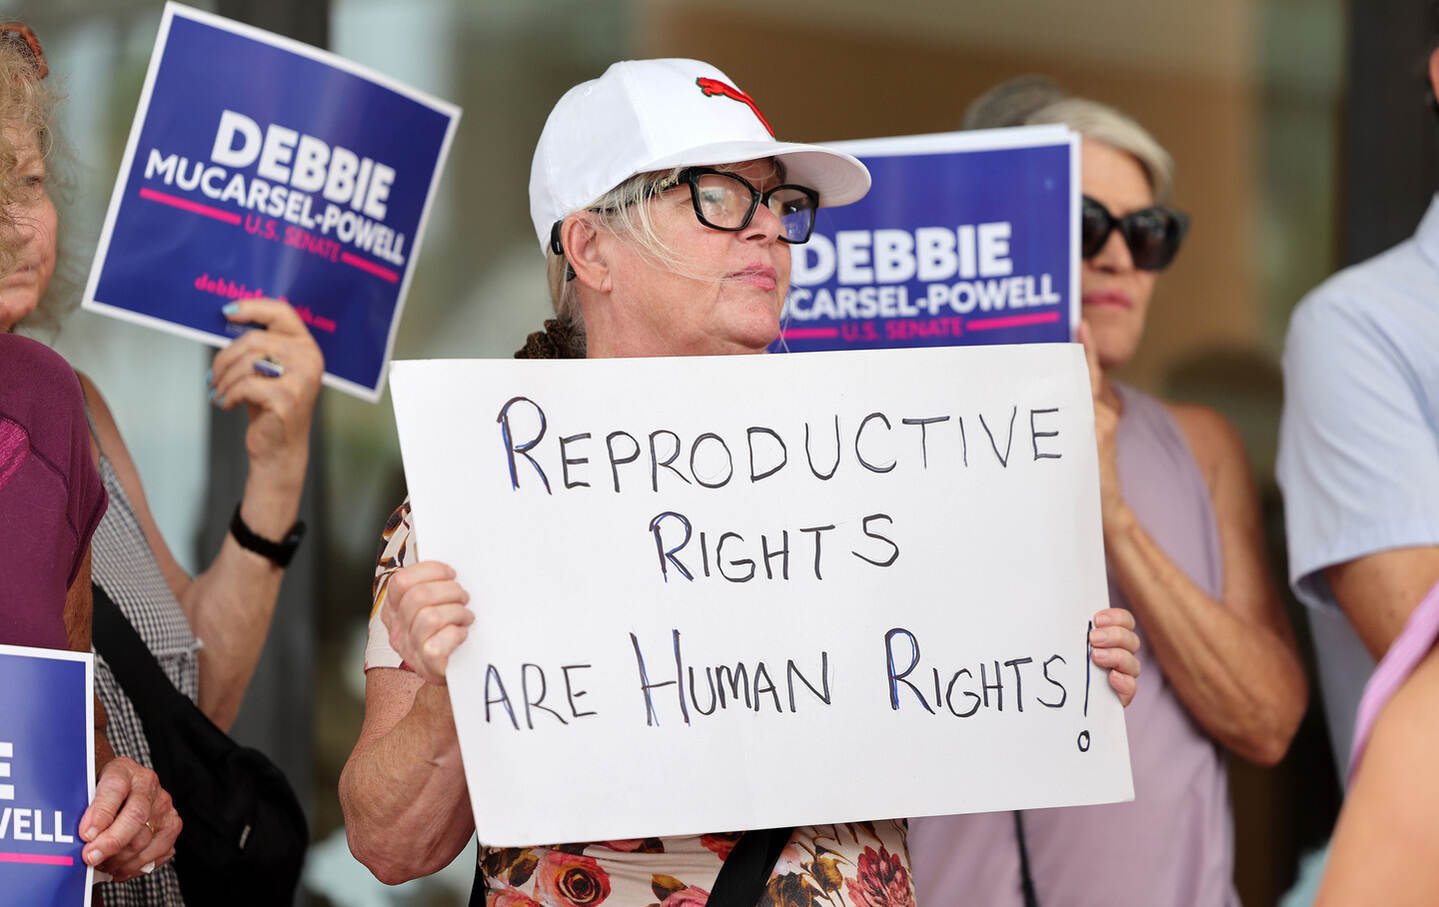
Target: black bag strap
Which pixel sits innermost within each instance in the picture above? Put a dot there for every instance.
(745, 873)
(131, 661)
(1026, 877)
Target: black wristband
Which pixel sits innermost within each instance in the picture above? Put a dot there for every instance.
(279, 552)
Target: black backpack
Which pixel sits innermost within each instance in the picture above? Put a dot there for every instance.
(245, 835)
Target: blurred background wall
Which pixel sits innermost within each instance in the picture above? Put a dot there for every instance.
(1296, 126)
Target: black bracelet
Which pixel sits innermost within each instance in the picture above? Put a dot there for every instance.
(279, 552)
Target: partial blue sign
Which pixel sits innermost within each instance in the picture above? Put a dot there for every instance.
(258, 166)
(47, 774)
(964, 238)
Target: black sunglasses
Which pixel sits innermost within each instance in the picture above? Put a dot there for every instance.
(727, 201)
(1152, 234)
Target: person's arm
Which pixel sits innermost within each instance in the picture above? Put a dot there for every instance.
(1383, 846)
(1233, 661)
(1378, 592)
(402, 791)
(230, 604)
(131, 823)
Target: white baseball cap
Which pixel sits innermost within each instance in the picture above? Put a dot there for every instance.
(644, 115)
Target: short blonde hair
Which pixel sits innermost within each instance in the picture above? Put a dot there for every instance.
(1035, 100)
(1105, 124)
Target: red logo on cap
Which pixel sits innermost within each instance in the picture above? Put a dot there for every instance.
(713, 87)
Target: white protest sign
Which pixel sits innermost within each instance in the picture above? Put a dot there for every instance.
(756, 591)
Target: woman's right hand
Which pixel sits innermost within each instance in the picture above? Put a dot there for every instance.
(131, 825)
(425, 612)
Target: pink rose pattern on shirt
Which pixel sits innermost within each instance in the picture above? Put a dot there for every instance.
(856, 864)
(850, 865)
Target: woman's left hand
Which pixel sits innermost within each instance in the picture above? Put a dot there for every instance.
(1113, 644)
(280, 405)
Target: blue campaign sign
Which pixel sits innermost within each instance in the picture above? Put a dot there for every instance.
(258, 166)
(47, 774)
(964, 238)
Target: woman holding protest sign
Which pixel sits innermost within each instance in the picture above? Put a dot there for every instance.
(673, 242)
(1183, 541)
(275, 374)
(51, 497)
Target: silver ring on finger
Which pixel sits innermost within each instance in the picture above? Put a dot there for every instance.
(269, 367)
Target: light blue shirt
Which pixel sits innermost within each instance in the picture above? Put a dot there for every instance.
(1359, 441)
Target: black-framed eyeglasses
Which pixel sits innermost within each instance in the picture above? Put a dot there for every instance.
(728, 201)
(1152, 234)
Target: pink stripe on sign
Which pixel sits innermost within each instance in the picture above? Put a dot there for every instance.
(358, 262)
(810, 333)
(184, 204)
(36, 858)
(1012, 321)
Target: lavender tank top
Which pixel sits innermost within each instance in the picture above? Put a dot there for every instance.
(1174, 844)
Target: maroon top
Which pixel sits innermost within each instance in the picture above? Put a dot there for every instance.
(51, 498)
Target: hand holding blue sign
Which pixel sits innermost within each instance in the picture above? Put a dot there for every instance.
(131, 825)
(275, 372)
(236, 184)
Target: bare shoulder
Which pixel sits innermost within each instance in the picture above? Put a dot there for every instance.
(100, 415)
(112, 444)
(1215, 442)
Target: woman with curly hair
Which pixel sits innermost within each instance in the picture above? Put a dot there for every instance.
(51, 497)
(228, 606)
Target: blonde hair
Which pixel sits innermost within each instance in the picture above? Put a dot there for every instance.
(1035, 100)
(625, 212)
(1105, 124)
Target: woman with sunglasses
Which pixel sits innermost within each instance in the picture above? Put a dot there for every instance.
(672, 242)
(1183, 540)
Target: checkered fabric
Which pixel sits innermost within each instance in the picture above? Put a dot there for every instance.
(125, 567)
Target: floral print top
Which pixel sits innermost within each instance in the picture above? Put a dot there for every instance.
(858, 864)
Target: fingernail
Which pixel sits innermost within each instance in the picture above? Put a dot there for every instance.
(212, 395)
(1098, 637)
(209, 375)
(220, 401)
(92, 856)
(230, 308)
(148, 867)
(90, 833)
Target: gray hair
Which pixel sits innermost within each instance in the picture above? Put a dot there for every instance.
(1011, 102)
(1035, 100)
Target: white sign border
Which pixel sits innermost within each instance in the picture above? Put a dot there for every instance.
(122, 182)
(994, 140)
(89, 661)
